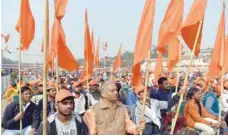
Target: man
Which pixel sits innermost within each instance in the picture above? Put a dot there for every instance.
(94, 89)
(164, 93)
(11, 91)
(81, 100)
(51, 93)
(64, 122)
(37, 97)
(29, 115)
(211, 102)
(197, 116)
(152, 113)
(110, 117)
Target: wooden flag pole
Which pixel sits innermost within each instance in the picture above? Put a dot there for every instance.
(145, 89)
(46, 43)
(186, 79)
(178, 70)
(19, 83)
(57, 74)
(220, 98)
(222, 81)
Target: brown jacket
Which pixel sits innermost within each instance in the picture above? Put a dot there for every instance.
(191, 113)
(102, 119)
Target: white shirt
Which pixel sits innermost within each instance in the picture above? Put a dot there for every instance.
(79, 104)
(224, 98)
(25, 106)
(66, 129)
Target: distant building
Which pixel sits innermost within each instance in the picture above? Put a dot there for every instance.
(199, 63)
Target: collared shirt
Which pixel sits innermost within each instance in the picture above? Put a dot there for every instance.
(79, 104)
(102, 119)
(25, 106)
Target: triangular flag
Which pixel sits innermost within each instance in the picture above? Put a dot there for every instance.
(25, 25)
(143, 41)
(192, 23)
(158, 67)
(117, 62)
(96, 59)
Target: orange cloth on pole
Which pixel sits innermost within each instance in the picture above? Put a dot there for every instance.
(25, 25)
(117, 62)
(190, 27)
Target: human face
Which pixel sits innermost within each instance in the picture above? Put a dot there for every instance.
(52, 93)
(26, 96)
(197, 95)
(165, 84)
(110, 93)
(95, 87)
(141, 96)
(78, 89)
(40, 88)
(65, 107)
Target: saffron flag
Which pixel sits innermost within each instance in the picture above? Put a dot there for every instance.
(89, 58)
(58, 42)
(117, 62)
(25, 25)
(192, 23)
(158, 67)
(143, 41)
(96, 59)
(218, 53)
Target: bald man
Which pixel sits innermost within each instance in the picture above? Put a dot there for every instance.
(110, 117)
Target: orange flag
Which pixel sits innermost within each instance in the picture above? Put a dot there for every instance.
(117, 62)
(89, 58)
(191, 25)
(143, 41)
(170, 26)
(92, 42)
(217, 60)
(58, 42)
(169, 32)
(96, 59)
(226, 55)
(158, 67)
(25, 25)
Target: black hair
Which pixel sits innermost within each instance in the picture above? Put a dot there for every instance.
(191, 92)
(25, 88)
(161, 80)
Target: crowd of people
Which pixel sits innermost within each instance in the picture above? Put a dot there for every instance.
(110, 104)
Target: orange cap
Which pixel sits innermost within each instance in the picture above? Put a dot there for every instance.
(93, 82)
(62, 94)
(139, 88)
(75, 84)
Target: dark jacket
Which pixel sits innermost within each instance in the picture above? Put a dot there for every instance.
(82, 129)
(162, 95)
(31, 116)
(40, 108)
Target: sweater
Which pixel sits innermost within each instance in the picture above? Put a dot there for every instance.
(191, 113)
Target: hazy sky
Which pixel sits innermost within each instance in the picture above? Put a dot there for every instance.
(115, 21)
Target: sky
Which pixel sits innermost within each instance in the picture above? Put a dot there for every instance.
(114, 21)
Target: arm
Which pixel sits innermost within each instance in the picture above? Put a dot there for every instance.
(130, 125)
(8, 118)
(192, 110)
(174, 101)
(208, 106)
(90, 120)
(35, 118)
(40, 108)
(160, 104)
(225, 103)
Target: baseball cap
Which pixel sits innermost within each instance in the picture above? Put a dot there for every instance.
(93, 83)
(75, 84)
(62, 94)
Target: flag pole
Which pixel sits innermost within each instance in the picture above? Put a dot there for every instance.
(186, 78)
(57, 74)
(19, 82)
(178, 70)
(46, 43)
(145, 89)
(222, 78)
